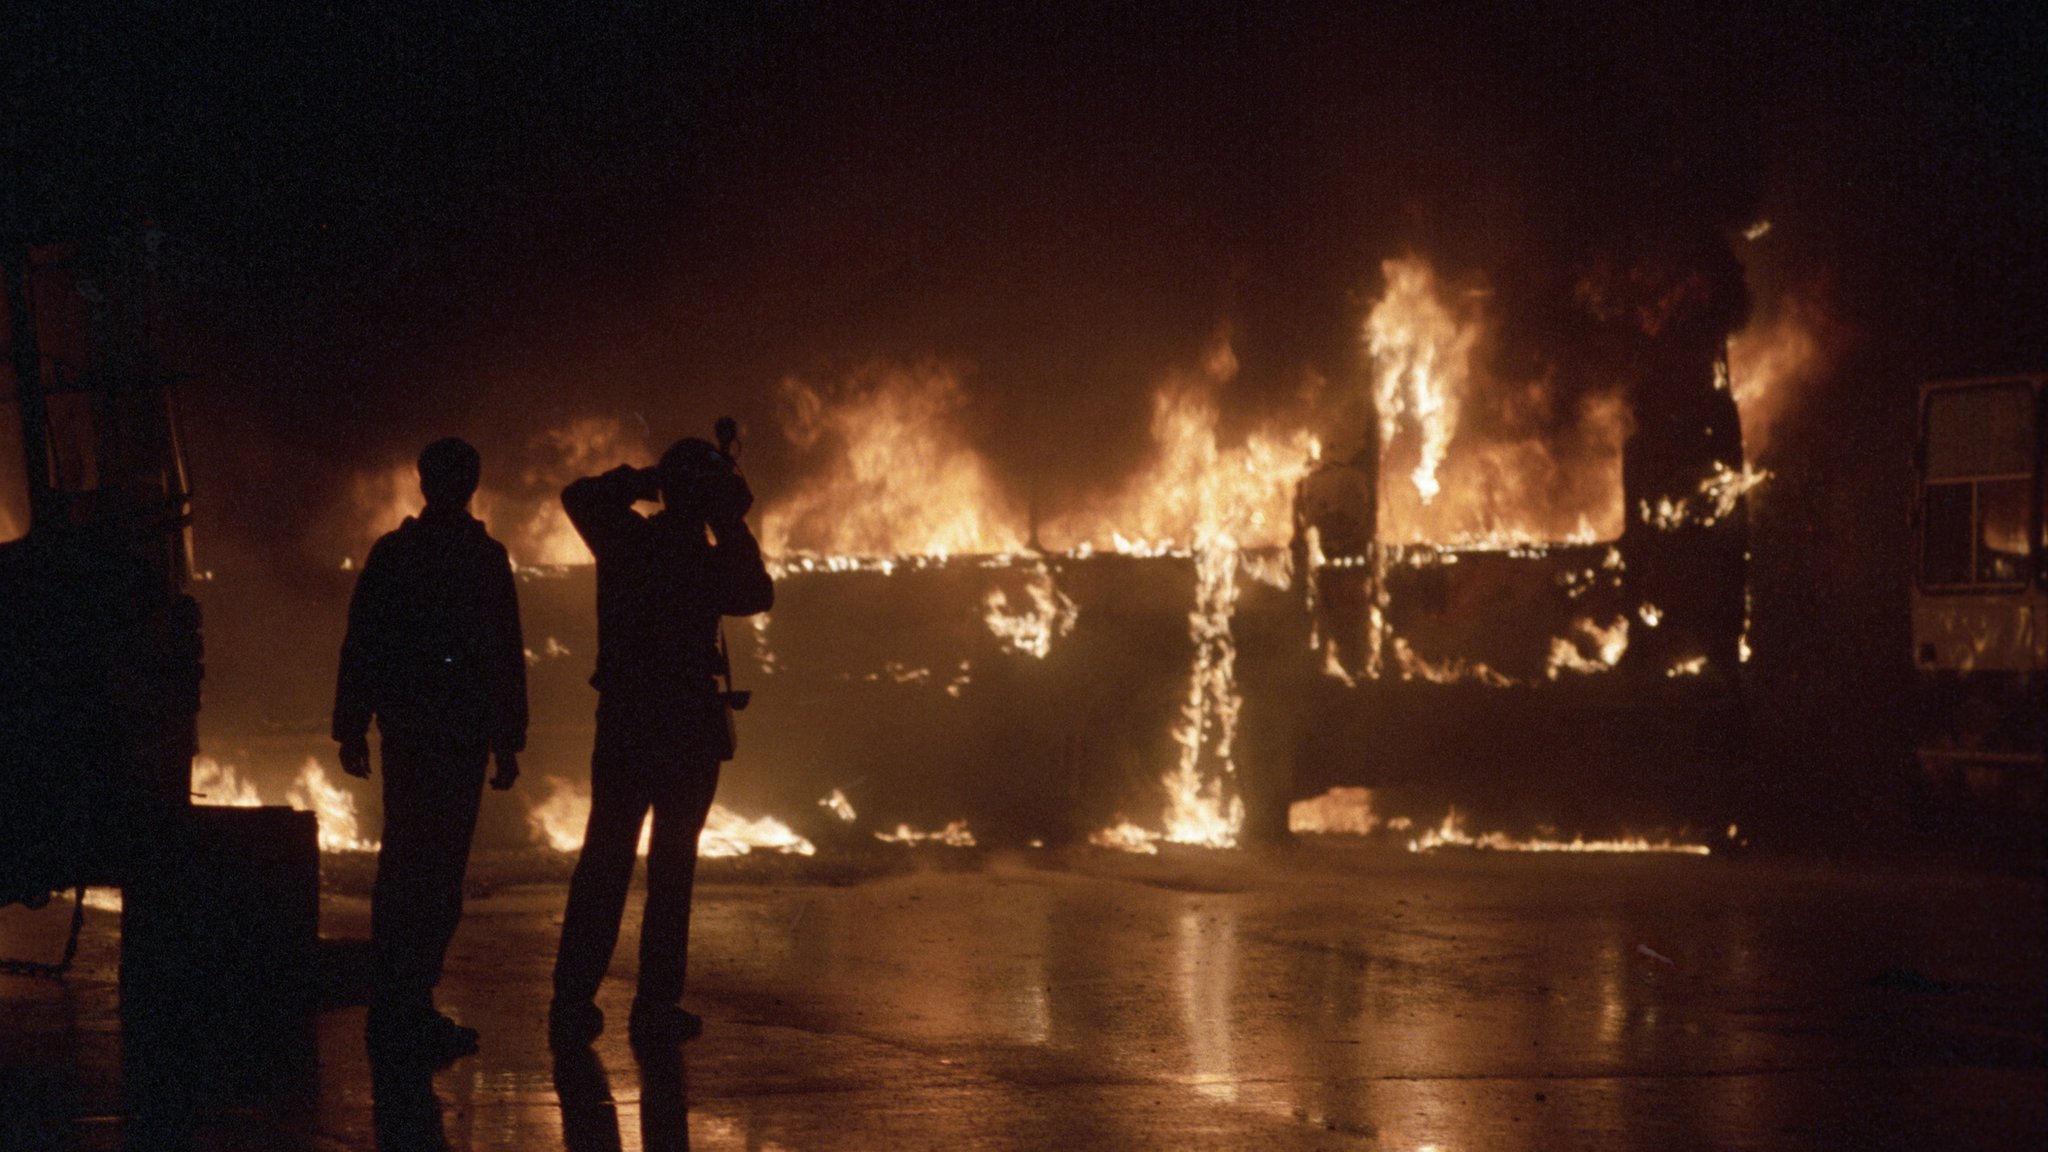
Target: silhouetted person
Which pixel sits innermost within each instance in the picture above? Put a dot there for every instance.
(662, 729)
(434, 653)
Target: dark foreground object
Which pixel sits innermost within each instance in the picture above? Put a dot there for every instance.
(1317, 997)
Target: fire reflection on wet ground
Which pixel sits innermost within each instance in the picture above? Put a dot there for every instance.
(1318, 996)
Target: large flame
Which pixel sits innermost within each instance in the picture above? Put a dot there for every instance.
(525, 514)
(1203, 807)
(1443, 481)
(1213, 500)
(218, 785)
(898, 476)
(1196, 487)
(1422, 355)
(334, 806)
(1789, 344)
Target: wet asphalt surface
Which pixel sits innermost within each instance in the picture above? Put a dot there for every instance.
(1312, 996)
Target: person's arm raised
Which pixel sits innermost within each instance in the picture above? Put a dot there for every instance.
(601, 507)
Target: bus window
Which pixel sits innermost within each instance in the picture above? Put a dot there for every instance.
(2003, 508)
(1945, 532)
(1977, 499)
(1975, 432)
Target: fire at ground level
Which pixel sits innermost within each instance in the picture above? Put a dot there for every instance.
(894, 691)
(1318, 996)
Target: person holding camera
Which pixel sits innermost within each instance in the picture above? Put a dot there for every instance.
(663, 582)
(434, 652)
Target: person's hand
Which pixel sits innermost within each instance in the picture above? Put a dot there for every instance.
(355, 757)
(508, 770)
(730, 498)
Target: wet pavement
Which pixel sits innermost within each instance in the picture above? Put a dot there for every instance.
(1305, 997)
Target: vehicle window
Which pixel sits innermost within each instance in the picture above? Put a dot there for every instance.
(1945, 535)
(2003, 509)
(1985, 431)
(1978, 505)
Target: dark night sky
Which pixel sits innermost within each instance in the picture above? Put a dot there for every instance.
(388, 225)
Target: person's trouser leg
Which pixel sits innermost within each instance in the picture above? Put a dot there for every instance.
(597, 889)
(681, 802)
(432, 790)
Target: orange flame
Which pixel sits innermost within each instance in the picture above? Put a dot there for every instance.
(526, 517)
(218, 785)
(1451, 833)
(954, 835)
(899, 477)
(336, 808)
(1196, 487)
(560, 819)
(1786, 347)
(1442, 483)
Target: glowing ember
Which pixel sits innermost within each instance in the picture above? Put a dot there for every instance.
(217, 785)
(954, 835)
(1727, 486)
(839, 806)
(1715, 500)
(1031, 629)
(561, 818)
(1692, 667)
(333, 806)
(1449, 671)
(1609, 644)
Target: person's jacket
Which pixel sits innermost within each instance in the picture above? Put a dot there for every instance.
(434, 647)
(662, 585)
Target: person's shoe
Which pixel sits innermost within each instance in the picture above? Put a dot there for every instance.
(419, 1038)
(662, 1025)
(441, 1039)
(573, 1024)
